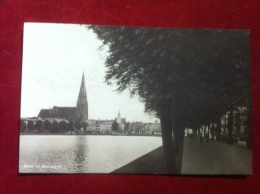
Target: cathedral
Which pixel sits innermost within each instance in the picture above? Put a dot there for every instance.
(75, 114)
(79, 114)
(82, 103)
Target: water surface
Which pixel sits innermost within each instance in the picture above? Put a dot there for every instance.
(81, 154)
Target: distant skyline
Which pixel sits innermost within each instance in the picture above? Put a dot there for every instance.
(54, 59)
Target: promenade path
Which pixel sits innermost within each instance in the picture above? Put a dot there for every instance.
(150, 163)
(206, 158)
(215, 158)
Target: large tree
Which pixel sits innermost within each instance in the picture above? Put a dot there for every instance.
(47, 125)
(71, 126)
(63, 126)
(185, 77)
(39, 126)
(85, 126)
(115, 126)
(30, 126)
(55, 128)
(22, 126)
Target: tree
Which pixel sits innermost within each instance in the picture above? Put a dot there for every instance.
(39, 126)
(63, 126)
(248, 123)
(85, 125)
(115, 126)
(127, 127)
(55, 127)
(47, 125)
(30, 125)
(185, 77)
(71, 126)
(78, 125)
(22, 126)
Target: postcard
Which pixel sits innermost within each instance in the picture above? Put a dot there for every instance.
(135, 100)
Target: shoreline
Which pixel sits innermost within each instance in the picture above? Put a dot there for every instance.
(150, 163)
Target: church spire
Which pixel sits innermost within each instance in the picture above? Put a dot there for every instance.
(82, 103)
(82, 86)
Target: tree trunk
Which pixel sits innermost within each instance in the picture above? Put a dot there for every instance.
(225, 129)
(208, 132)
(230, 126)
(249, 130)
(218, 127)
(177, 137)
(198, 132)
(195, 131)
(213, 131)
(168, 149)
(178, 131)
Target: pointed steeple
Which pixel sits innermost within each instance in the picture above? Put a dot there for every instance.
(82, 86)
(82, 103)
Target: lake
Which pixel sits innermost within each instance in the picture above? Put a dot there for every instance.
(81, 153)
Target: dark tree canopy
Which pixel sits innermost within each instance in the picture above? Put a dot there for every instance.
(55, 127)
(71, 126)
(47, 125)
(39, 125)
(202, 71)
(186, 77)
(22, 126)
(63, 126)
(85, 125)
(78, 125)
(30, 125)
(115, 126)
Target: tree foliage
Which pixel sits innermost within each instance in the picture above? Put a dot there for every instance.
(201, 70)
(39, 125)
(47, 125)
(22, 126)
(30, 125)
(85, 125)
(115, 126)
(78, 125)
(63, 126)
(71, 126)
(55, 127)
(186, 77)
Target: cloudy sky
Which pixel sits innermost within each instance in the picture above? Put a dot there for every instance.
(54, 59)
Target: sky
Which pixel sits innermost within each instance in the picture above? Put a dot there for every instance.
(54, 59)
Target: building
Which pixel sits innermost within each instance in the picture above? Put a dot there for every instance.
(75, 114)
(106, 126)
(58, 112)
(121, 122)
(143, 128)
(76, 120)
(82, 103)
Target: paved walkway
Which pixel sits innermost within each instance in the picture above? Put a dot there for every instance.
(206, 158)
(150, 163)
(215, 158)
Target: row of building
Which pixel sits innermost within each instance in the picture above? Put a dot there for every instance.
(95, 126)
(78, 121)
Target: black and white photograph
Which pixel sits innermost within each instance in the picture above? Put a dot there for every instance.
(135, 100)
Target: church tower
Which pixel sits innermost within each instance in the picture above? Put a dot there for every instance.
(82, 103)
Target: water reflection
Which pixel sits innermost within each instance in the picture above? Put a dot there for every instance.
(80, 154)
